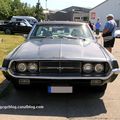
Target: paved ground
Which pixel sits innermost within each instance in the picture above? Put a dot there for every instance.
(83, 106)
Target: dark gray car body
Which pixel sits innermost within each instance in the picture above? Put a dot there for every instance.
(60, 51)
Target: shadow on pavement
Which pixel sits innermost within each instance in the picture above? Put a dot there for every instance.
(83, 104)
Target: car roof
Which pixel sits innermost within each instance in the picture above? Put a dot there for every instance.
(60, 22)
(24, 17)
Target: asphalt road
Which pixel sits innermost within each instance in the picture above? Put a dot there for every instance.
(83, 106)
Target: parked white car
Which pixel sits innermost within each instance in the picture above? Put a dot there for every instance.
(117, 33)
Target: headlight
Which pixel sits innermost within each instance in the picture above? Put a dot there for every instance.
(32, 67)
(87, 68)
(21, 67)
(99, 68)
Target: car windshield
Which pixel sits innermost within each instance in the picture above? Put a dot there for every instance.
(60, 31)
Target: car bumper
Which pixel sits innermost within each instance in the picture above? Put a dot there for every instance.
(115, 71)
(3, 69)
(61, 79)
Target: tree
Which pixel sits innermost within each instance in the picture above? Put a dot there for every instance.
(16, 6)
(9, 8)
(5, 9)
(39, 11)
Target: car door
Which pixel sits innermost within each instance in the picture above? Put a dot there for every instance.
(24, 28)
(16, 28)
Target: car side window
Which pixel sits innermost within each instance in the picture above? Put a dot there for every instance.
(18, 19)
(12, 24)
(22, 24)
(75, 32)
(18, 24)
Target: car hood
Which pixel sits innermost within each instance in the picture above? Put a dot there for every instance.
(59, 49)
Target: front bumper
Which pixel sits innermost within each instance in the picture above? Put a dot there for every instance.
(61, 79)
(3, 69)
(115, 71)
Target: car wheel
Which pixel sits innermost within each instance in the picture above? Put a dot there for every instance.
(99, 88)
(8, 31)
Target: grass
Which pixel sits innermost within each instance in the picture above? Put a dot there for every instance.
(7, 44)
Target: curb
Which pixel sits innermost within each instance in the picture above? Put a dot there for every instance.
(4, 86)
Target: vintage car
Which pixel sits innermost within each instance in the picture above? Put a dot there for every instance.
(61, 55)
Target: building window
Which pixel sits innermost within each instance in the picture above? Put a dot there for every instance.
(77, 19)
(85, 18)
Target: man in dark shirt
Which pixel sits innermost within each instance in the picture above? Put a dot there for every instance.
(97, 26)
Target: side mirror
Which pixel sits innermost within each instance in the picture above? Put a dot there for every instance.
(25, 36)
(97, 37)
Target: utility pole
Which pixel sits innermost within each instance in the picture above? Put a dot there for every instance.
(38, 3)
(46, 4)
(46, 11)
(38, 10)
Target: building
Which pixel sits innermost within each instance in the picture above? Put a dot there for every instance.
(107, 7)
(72, 13)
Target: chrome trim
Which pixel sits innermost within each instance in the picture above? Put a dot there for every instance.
(70, 78)
(62, 59)
(3, 69)
(114, 71)
(69, 68)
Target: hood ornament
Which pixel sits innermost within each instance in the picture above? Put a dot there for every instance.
(60, 67)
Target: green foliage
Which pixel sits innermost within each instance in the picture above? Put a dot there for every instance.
(9, 8)
(7, 44)
(38, 11)
(5, 8)
(16, 5)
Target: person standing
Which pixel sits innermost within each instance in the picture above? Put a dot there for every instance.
(97, 26)
(109, 32)
(91, 25)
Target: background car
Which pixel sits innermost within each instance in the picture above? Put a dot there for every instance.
(31, 20)
(62, 56)
(16, 27)
(117, 33)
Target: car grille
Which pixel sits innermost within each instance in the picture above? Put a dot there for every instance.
(60, 67)
(51, 68)
(56, 68)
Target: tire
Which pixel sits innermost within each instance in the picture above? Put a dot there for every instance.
(8, 31)
(100, 89)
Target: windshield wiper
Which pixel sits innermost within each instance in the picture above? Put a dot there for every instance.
(37, 37)
(60, 36)
(72, 37)
(67, 36)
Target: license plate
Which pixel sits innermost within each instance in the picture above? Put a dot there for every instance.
(60, 89)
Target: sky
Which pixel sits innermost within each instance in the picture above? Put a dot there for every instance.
(61, 4)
